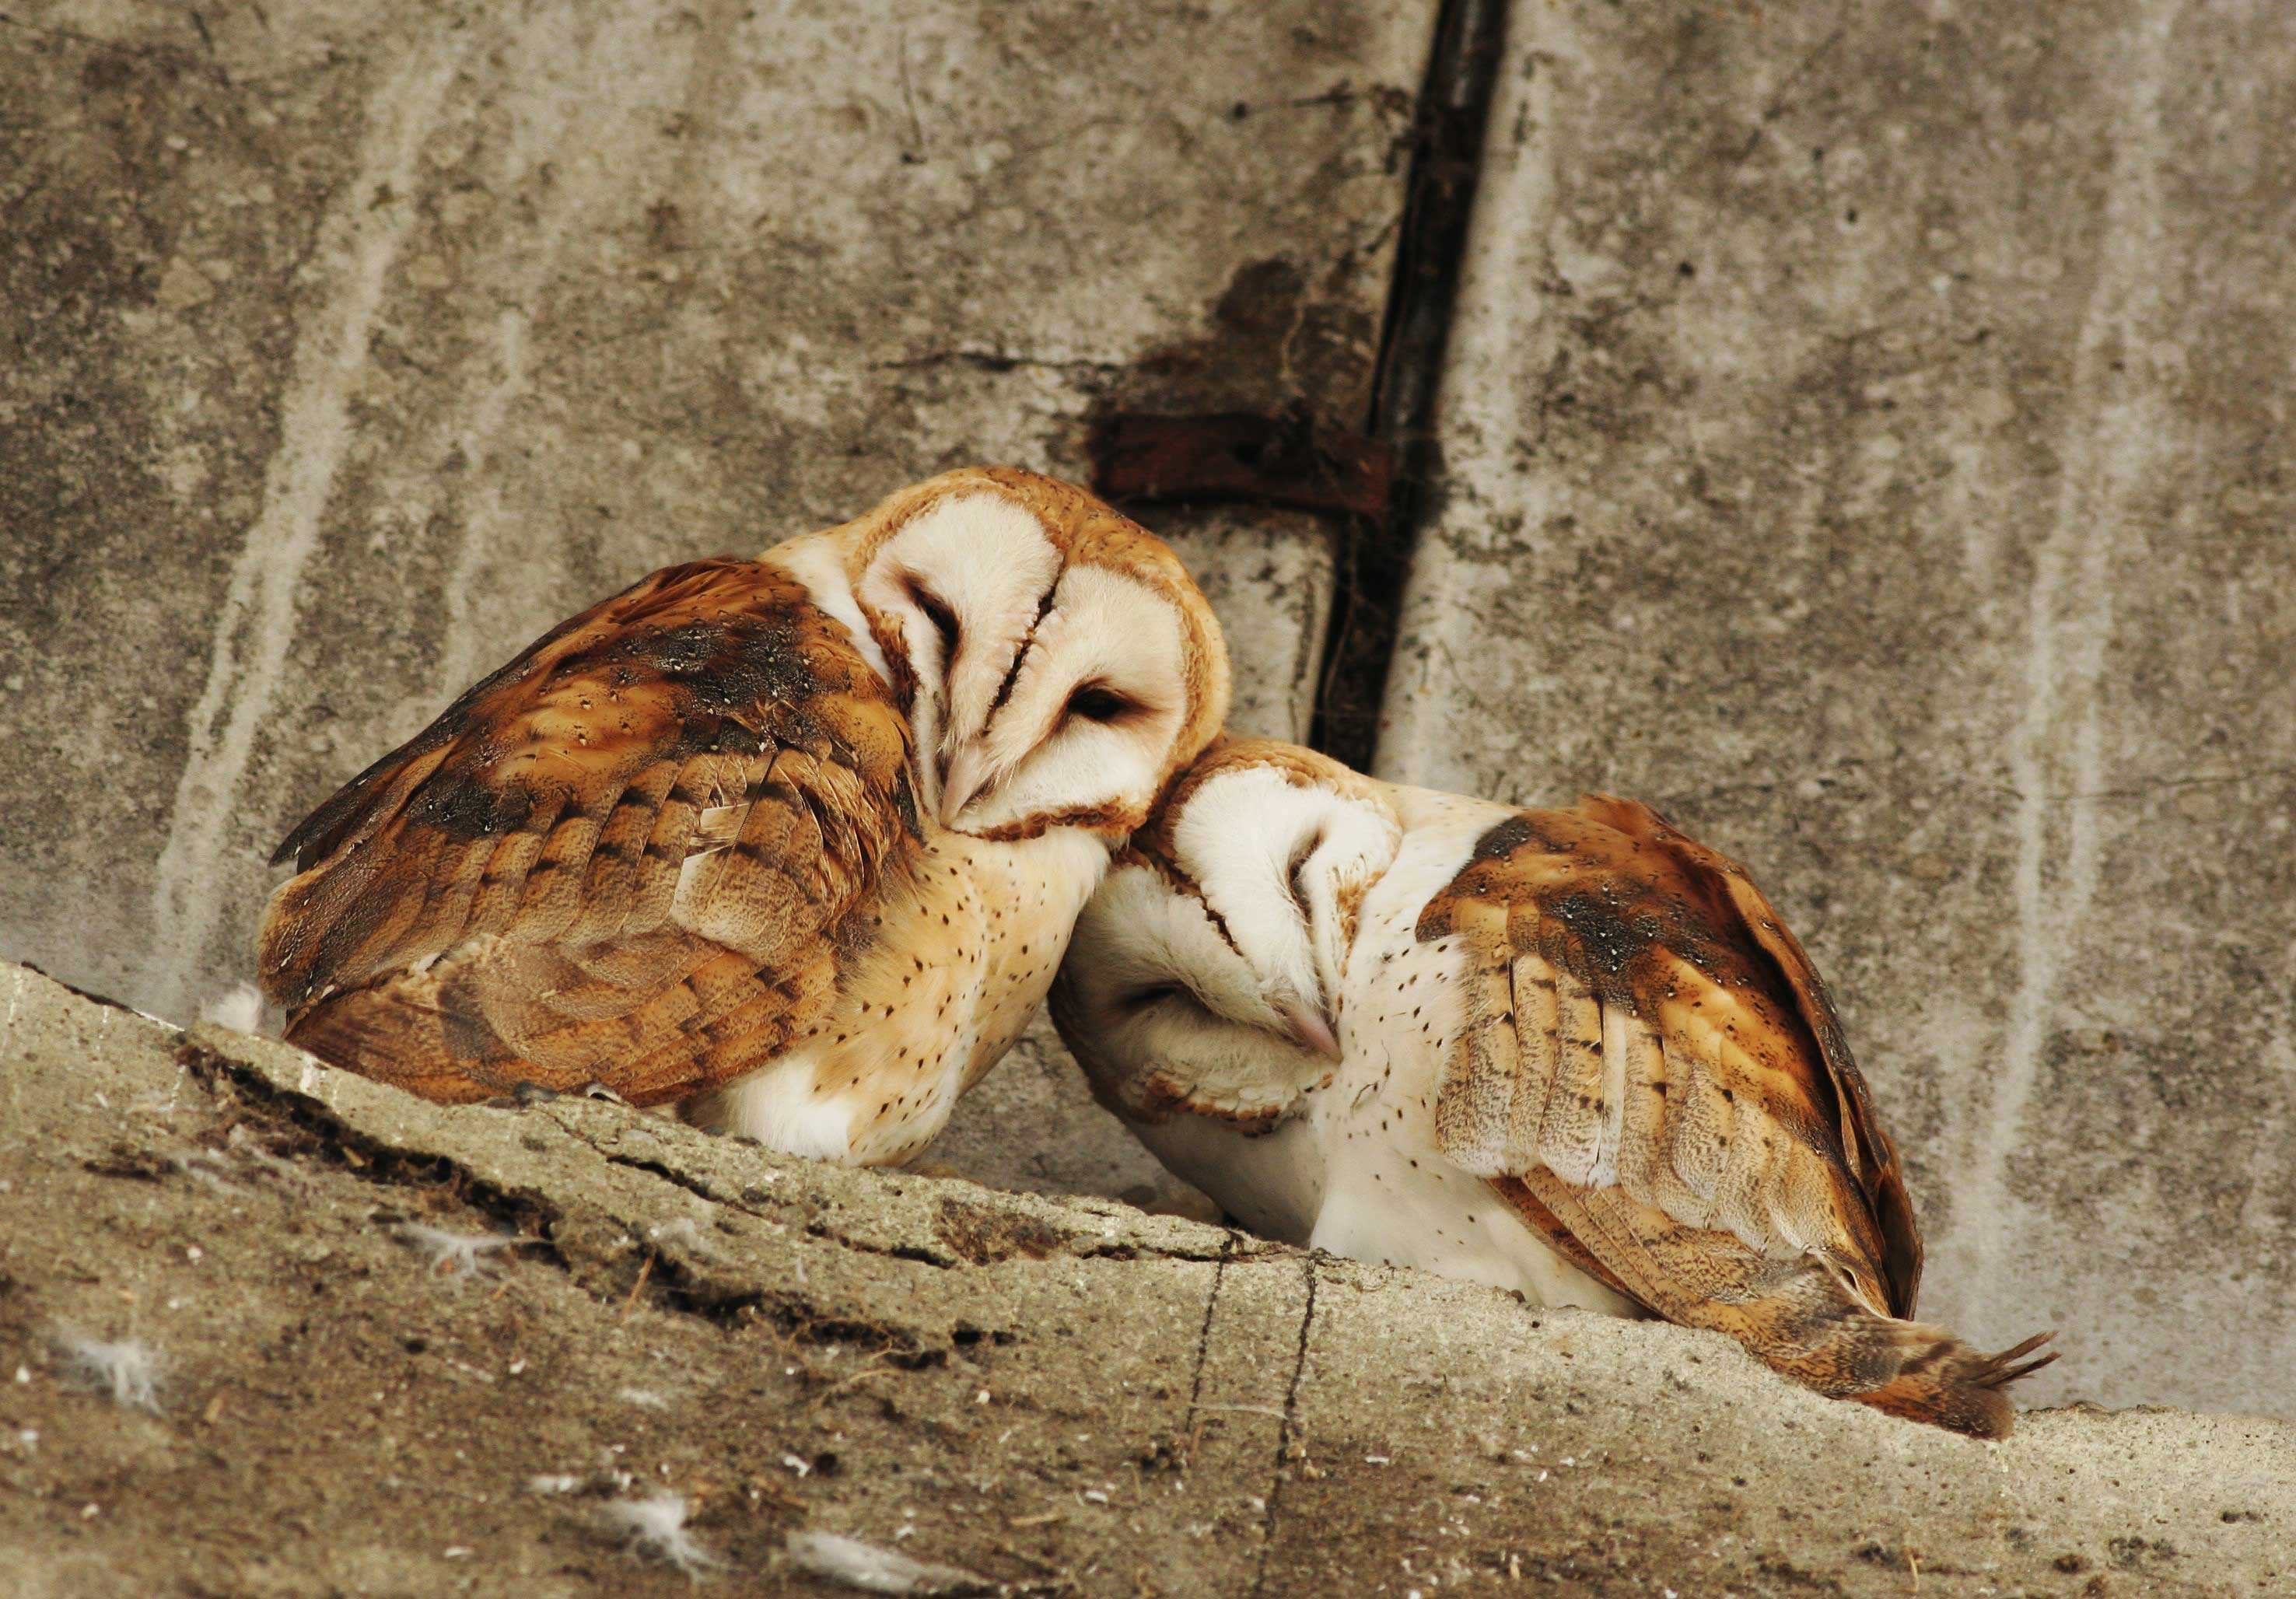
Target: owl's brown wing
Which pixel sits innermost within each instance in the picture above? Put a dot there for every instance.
(1650, 1067)
(624, 858)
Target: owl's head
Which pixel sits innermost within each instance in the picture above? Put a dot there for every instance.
(1224, 928)
(1059, 665)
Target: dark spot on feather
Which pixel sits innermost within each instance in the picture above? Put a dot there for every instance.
(1503, 840)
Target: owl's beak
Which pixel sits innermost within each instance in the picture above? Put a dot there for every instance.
(1310, 1028)
(968, 774)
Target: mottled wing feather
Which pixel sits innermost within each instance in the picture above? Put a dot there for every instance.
(624, 858)
(1867, 1151)
(1628, 1026)
(1650, 1071)
(1528, 1205)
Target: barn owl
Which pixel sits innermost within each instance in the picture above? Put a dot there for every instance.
(1570, 1052)
(797, 842)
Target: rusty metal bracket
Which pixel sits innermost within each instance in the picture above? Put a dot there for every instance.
(1291, 459)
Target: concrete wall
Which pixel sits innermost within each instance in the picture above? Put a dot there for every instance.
(1866, 439)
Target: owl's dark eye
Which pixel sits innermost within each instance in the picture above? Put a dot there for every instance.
(938, 613)
(1300, 859)
(1140, 999)
(1098, 702)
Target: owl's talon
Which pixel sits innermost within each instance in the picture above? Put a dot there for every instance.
(596, 1090)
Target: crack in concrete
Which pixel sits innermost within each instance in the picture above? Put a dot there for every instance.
(1283, 1433)
(173, 53)
(1781, 101)
(376, 1162)
(508, 1206)
(669, 1282)
(993, 360)
(1204, 1333)
(702, 1189)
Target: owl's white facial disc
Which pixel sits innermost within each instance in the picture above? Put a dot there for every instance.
(1048, 691)
(1283, 862)
(1090, 715)
(965, 581)
(1152, 983)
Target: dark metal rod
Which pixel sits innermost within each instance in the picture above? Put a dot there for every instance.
(1374, 555)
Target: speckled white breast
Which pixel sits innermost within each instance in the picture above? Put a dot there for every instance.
(952, 973)
(1362, 1165)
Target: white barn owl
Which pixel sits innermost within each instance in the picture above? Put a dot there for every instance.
(797, 842)
(1570, 1052)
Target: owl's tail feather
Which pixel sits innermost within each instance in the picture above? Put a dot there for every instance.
(1813, 1324)
(1949, 1384)
(402, 1039)
(1818, 1320)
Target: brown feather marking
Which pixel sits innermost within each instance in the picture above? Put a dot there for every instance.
(1537, 998)
(1471, 1105)
(1648, 928)
(617, 863)
(1871, 1155)
(1526, 1204)
(1641, 1101)
(504, 886)
(1695, 1049)
(579, 774)
(1570, 1123)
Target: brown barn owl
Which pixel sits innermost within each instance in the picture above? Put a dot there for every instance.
(1567, 1051)
(798, 840)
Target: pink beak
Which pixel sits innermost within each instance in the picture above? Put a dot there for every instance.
(1312, 1030)
(968, 774)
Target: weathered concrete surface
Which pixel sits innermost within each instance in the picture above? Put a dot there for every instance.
(1059, 1396)
(344, 347)
(1865, 438)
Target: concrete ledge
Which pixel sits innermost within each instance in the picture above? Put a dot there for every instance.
(1052, 1396)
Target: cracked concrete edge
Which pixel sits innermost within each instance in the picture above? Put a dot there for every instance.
(658, 1172)
(646, 1174)
(1329, 1417)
